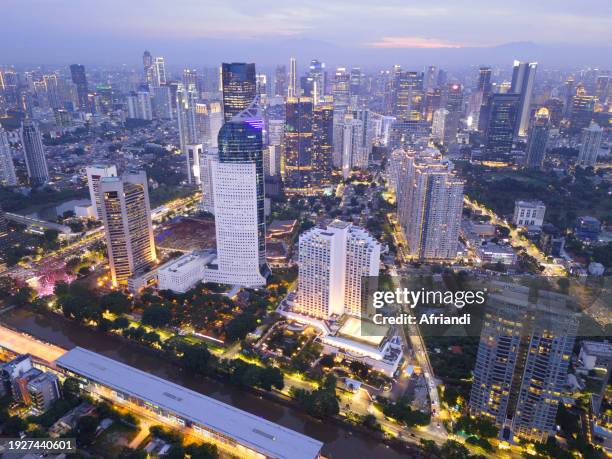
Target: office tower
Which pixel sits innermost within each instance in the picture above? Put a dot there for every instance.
(298, 145)
(239, 200)
(276, 131)
(126, 215)
(162, 103)
(602, 87)
(306, 86)
(454, 105)
(340, 89)
(582, 109)
(272, 161)
(317, 73)
(323, 142)
(4, 234)
(190, 79)
(95, 174)
(480, 96)
(484, 80)
(438, 124)
(7, 167)
(261, 83)
(568, 92)
(139, 105)
(280, 81)
(366, 139)
(147, 63)
(34, 153)
(408, 96)
(292, 88)
(239, 88)
(591, 142)
(523, 77)
(158, 69)
(429, 205)
(186, 119)
(503, 116)
(429, 82)
(332, 264)
(209, 157)
(538, 137)
(523, 357)
(215, 122)
(433, 99)
(52, 91)
(352, 151)
(193, 153)
(355, 81)
(80, 80)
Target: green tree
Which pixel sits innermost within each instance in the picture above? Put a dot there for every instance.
(196, 358)
(85, 430)
(156, 316)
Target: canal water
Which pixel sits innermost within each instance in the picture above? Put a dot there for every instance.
(340, 443)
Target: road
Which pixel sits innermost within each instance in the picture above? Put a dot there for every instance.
(20, 343)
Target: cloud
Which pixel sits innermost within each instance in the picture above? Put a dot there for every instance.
(412, 42)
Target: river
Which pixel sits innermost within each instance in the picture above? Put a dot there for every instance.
(339, 442)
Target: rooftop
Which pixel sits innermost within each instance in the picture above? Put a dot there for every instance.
(266, 437)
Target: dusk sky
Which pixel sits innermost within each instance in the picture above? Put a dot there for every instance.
(61, 30)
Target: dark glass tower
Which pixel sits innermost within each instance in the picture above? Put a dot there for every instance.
(34, 153)
(239, 88)
(79, 78)
(538, 137)
(241, 143)
(503, 115)
(298, 143)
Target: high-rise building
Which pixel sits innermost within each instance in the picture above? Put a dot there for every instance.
(139, 105)
(353, 155)
(438, 125)
(147, 63)
(538, 138)
(341, 89)
(126, 215)
(408, 96)
(34, 153)
(187, 119)
(162, 103)
(429, 205)
(280, 81)
(4, 234)
(318, 74)
(79, 78)
(7, 167)
(159, 72)
(454, 105)
(298, 155)
(323, 142)
(602, 88)
(332, 264)
(523, 78)
(95, 174)
(239, 200)
(292, 87)
(429, 81)
(209, 157)
(503, 116)
(239, 88)
(591, 143)
(582, 109)
(523, 357)
(193, 154)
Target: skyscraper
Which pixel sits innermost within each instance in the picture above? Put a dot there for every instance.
(538, 137)
(298, 144)
(332, 264)
(353, 155)
(239, 88)
(408, 95)
(79, 78)
(523, 77)
(239, 200)
(193, 154)
(139, 105)
(581, 110)
(126, 214)
(317, 73)
(7, 167)
(280, 81)
(4, 234)
(454, 105)
(209, 157)
(523, 357)
(323, 142)
(438, 125)
(503, 116)
(341, 91)
(159, 72)
(429, 205)
(34, 153)
(292, 87)
(147, 63)
(591, 142)
(95, 174)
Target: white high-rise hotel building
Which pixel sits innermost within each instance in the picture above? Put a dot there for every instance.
(95, 174)
(332, 263)
(429, 204)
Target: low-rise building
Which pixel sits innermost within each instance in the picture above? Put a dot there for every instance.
(490, 252)
(529, 214)
(183, 273)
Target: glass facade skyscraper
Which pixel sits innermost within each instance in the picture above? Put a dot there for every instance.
(239, 87)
